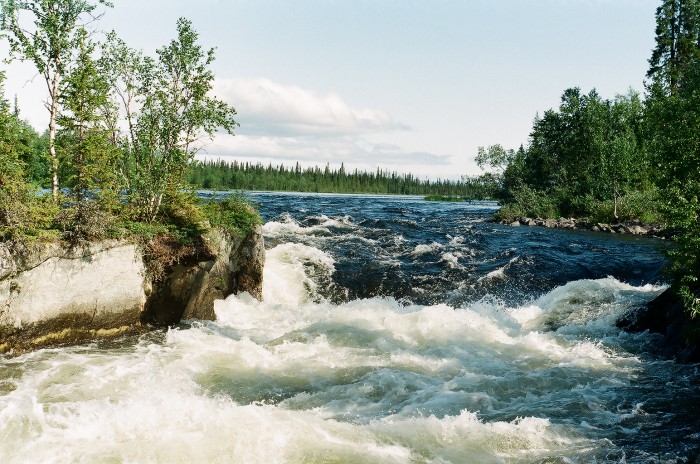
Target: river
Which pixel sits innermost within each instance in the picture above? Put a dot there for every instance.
(392, 330)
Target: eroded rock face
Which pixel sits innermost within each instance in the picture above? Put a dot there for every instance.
(55, 296)
(188, 290)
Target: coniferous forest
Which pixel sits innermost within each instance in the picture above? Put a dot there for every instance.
(221, 175)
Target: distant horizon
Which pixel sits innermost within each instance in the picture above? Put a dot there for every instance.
(406, 87)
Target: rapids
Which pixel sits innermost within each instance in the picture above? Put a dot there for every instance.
(392, 330)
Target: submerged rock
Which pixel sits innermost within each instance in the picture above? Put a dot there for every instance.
(57, 295)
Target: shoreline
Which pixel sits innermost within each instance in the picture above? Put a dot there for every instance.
(632, 227)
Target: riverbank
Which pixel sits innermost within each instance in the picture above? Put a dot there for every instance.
(656, 230)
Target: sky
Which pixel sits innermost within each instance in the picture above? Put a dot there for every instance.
(403, 85)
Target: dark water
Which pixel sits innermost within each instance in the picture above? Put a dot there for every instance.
(425, 253)
(433, 252)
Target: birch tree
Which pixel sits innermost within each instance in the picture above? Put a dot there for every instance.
(44, 33)
(177, 115)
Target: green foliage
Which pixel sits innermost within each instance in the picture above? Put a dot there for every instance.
(643, 206)
(176, 114)
(584, 160)
(677, 39)
(90, 157)
(494, 157)
(44, 33)
(83, 222)
(147, 231)
(182, 212)
(234, 213)
(24, 216)
(527, 202)
(220, 175)
(675, 140)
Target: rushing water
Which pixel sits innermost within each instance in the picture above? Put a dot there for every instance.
(392, 330)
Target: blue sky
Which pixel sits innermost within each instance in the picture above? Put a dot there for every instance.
(413, 86)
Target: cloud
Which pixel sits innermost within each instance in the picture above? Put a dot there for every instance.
(283, 124)
(269, 108)
(327, 150)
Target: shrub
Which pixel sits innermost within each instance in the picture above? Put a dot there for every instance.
(635, 205)
(184, 215)
(234, 213)
(528, 202)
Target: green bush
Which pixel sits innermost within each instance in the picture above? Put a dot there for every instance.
(636, 205)
(85, 221)
(527, 202)
(184, 215)
(234, 213)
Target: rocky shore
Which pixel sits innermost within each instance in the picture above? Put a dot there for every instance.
(626, 227)
(56, 295)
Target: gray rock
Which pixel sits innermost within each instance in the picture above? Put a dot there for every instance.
(53, 295)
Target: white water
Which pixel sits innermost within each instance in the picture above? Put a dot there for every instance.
(295, 379)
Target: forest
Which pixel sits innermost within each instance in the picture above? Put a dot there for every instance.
(221, 175)
(631, 157)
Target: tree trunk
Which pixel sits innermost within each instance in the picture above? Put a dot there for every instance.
(52, 138)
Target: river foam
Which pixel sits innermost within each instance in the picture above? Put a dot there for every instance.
(313, 375)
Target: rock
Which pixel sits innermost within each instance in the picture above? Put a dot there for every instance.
(566, 223)
(627, 227)
(53, 295)
(189, 290)
(618, 228)
(98, 288)
(637, 230)
(665, 315)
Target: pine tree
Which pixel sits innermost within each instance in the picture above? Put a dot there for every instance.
(90, 157)
(677, 42)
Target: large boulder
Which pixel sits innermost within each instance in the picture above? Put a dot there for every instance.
(57, 295)
(665, 315)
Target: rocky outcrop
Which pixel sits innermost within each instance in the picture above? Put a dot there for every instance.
(57, 295)
(665, 315)
(626, 227)
(188, 289)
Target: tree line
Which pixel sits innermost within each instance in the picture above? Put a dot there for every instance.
(222, 175)
(630, 157)
(123, 126)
